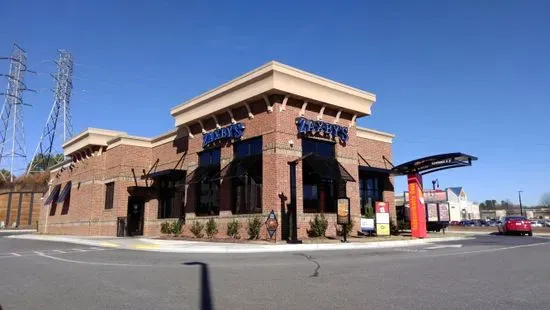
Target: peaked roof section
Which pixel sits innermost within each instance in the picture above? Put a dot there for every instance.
(277, 78)
(456, 190)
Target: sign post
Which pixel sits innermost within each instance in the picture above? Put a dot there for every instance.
(343, 216)
(416, 204)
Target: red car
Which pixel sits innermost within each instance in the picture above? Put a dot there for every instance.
(515, 225)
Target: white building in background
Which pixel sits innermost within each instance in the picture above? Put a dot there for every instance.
(460, 208)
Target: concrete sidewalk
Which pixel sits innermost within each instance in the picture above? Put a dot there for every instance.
(177, 246)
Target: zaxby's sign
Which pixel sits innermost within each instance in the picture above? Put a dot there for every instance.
(234, 131)
(307, 126)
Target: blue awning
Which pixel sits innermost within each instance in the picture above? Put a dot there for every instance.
(66, 192)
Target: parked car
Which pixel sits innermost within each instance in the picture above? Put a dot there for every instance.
(536, 224)
(515, 224)
(492, 223)
(547, 223)
(467, 223)
(455, 223)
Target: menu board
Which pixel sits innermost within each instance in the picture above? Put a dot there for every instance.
(343, 216)
(444, 212)
(432, 212)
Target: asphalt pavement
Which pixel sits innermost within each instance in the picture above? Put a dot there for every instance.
(486, 272)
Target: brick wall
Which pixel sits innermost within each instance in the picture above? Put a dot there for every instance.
(281, 144)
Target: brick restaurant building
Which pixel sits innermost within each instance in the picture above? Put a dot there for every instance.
(228, 158)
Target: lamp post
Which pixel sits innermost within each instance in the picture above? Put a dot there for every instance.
(520, 206)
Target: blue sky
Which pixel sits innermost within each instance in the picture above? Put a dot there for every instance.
(469, 76)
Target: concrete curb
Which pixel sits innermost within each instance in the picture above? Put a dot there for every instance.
(10, 231)
(196, 247)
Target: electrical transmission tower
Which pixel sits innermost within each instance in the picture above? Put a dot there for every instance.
(12, 136)
(44, 155)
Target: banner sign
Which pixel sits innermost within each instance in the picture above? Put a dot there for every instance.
(444, 212)
(431, 196)
(367, 225)
(416, 206)
(343, 216)
(234, 131)
(435, 196)
(307, 126)
(433, 215)
(271, 223)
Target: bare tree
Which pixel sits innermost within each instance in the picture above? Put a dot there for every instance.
(545, 199)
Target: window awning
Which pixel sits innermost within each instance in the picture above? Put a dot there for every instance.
(203, 174)
(240, 167)
(173, 174)
(327, 168)
(66, 192)
(53, 194)
(374, 170)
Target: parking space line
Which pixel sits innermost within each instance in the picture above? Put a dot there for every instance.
(38, 252)
(59, 251)
(15, 254)
(78, 250)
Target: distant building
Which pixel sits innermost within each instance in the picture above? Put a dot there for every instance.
(460, 208)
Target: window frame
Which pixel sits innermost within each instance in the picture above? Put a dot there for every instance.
(253, 147)
(109, 195)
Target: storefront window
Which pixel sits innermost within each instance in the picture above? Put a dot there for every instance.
(370, 191)
(208, 190)
(246, 176)
(319, 194)
(168, 206)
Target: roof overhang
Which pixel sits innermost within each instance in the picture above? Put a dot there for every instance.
(374, 135)
(90, 137)
(275, 77)
(434, 163)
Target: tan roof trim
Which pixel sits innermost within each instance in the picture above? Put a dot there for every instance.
(129, 140)
(89, 137)
(274, 77)
(374, 135)
(164, 138)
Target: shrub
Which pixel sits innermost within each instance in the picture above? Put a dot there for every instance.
(211, 228)
(318, 226)
(254, 226)
(196, 229)
(233, 228)
(369, 212)
(349, 229)
(175, 228)
(165, 227)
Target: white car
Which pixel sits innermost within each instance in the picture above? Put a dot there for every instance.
(536, 224)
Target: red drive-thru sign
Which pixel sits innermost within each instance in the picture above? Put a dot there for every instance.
(416, 205)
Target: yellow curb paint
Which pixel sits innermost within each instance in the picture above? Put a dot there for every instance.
(109, 244)
(145, 246)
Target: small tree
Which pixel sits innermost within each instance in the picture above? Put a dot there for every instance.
(196, 229)
(545, 199)
(318, 226)
(211, 228)
(175, 228)
(254, 226)
(233, 228)
(165, 227)
(369, 212)
(349, 229)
